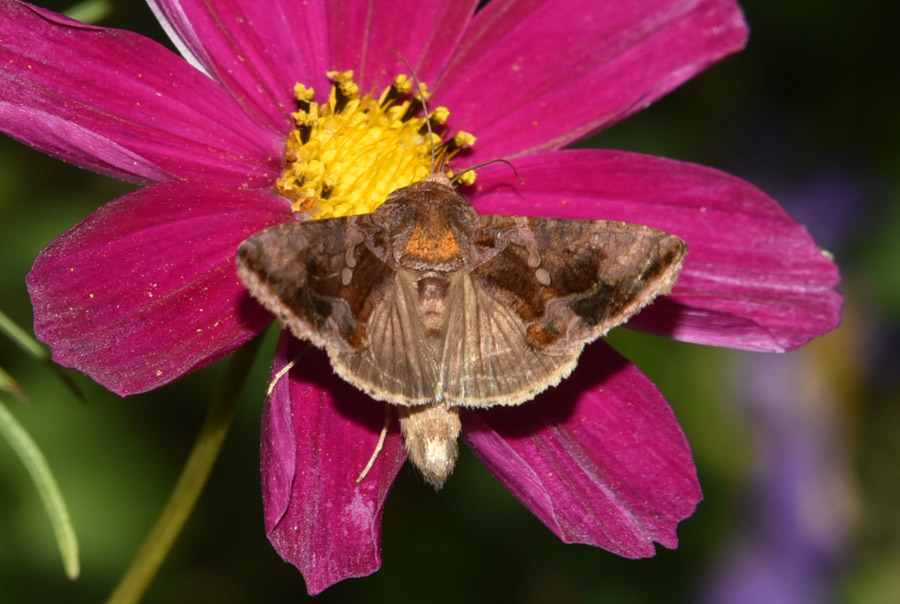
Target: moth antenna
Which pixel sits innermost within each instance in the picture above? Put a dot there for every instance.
(459, 174)
(424, 108)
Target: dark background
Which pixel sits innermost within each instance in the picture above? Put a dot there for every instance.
(798, 454)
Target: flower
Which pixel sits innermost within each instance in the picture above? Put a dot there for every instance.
(144, 291)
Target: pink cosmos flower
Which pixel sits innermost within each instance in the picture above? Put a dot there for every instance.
(144, 290)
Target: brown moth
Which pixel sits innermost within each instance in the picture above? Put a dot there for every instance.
(430, 306)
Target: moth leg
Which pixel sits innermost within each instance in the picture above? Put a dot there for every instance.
(379, 446)
(284, 370)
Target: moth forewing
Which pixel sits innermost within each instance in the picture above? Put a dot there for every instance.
(316, 277)
(571, 281)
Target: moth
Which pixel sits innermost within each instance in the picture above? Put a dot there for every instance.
(429, 306)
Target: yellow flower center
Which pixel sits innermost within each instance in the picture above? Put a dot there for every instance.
(346, 156)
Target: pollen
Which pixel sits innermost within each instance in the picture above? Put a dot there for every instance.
(347, 155)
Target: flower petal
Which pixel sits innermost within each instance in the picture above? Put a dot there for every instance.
(367, 36)
(257, 50)
(753, 277)
(535, 75)
(318, 434)
(122, 105)
(144, 290)
(600, 459)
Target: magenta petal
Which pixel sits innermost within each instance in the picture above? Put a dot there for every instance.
(122, 105)
(144, 290)
(537, 75)
(318, 434)
(366, 36)
(753, 277)
(257, 50)
(600, 459)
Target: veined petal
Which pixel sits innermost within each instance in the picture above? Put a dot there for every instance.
(144, 290)
(122, 105)
(753, 277)
(318, 434)
(533, 75)
(257, 50)
(600, 459)
(368, 35)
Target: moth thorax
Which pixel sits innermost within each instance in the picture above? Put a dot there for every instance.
(430, 433)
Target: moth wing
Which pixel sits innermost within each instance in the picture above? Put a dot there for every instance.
(318, 278)
(544, 288)
(487, 359)
(571, 281)
(399, 364)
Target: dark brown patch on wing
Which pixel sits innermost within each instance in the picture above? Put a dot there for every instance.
(512, 274)
(297, 271)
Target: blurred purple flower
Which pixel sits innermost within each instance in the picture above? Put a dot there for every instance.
(795, 518)
(144, 290)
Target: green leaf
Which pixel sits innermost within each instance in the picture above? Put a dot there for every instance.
(36, 465)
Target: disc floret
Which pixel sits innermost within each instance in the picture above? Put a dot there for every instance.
(346, 156)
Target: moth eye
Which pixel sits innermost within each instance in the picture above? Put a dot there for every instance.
(346, 276)
(543, 276)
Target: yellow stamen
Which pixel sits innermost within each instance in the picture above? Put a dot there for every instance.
(345, 156)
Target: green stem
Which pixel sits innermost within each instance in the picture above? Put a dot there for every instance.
(90, 11)
(190, 484)
(21, 337)
(47, 488)
(32, 347)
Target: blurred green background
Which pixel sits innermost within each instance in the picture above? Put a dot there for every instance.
(798, 454)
